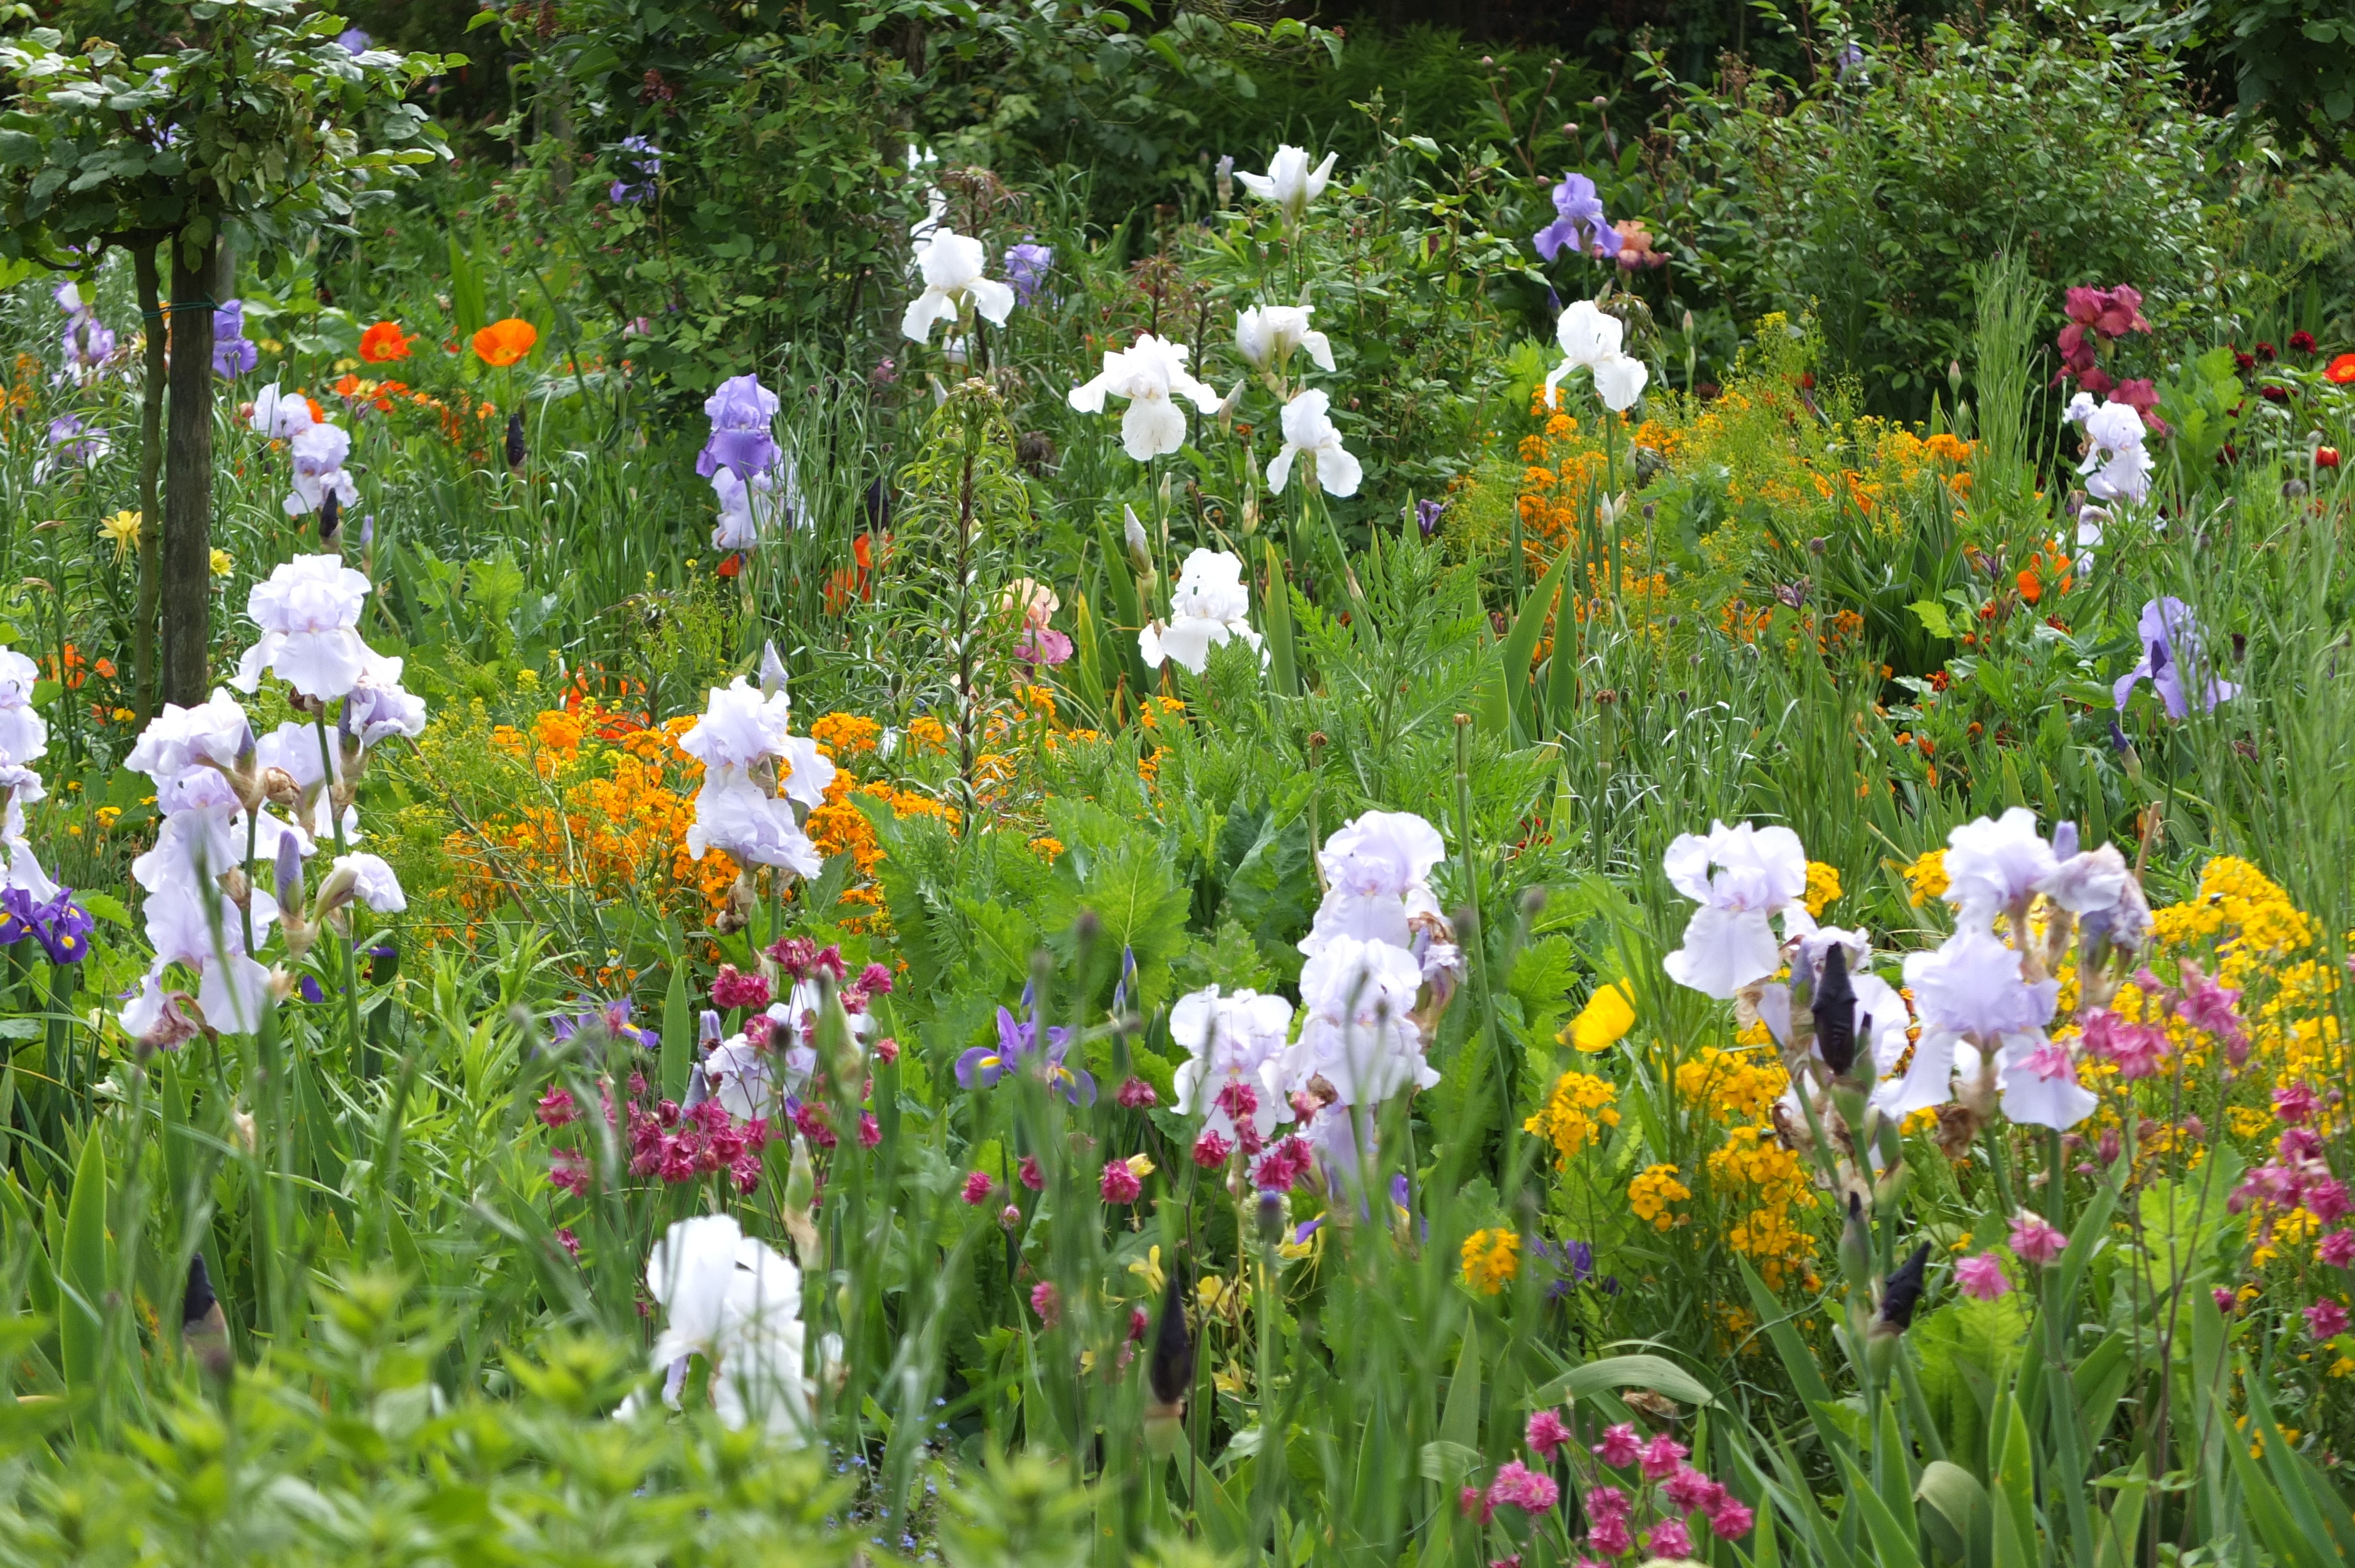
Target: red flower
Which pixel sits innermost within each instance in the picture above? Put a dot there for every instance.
(383, 343)
(2342, 370)
(2301, 342)
(2326, 457)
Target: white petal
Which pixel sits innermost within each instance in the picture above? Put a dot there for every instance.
(1337, 472)
(924, 312)
(993, 298)
(1279, 471)
(1152, 428)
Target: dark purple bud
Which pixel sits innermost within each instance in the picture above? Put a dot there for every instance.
(514, 439)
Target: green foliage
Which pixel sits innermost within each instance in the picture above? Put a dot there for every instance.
(1870, 195)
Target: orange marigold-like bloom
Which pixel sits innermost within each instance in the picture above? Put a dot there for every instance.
(847, 735)
(385, 341)
(501, 344)
(2341, 371)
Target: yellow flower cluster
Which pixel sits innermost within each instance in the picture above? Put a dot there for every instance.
(1491, 1259)
(1653, 1193)
(1732, 1085)
(1574, 1115)
(1823, 886)
(1751, 1168)
(1926, 878)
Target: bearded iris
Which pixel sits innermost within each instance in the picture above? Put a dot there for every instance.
(2171, 640)
(1580, 209)
(1017, 1048)
(1152, 374)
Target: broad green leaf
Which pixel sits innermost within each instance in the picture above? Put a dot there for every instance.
(1654, 1373)
(83, 1271)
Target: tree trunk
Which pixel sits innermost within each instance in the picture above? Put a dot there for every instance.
(188, 477)
(151, 468)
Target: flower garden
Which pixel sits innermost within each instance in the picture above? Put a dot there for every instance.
(891, 783)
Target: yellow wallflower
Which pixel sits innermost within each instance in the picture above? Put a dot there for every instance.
(1823, 886)
(222, 564)
(1734, 1086)
(1926, 878)
(1574, 1115)
(1654, 1192)
(1607, 1016)
(1491, 1259)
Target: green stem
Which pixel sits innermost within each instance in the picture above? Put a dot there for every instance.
(336, 822)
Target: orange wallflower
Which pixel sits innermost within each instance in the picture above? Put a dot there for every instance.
(385, 341)
(501, 344)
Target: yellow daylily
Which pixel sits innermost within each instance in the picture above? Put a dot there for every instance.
(123, 530)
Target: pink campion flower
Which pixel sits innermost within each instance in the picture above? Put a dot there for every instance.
(1669, 1538)
(559, 1108)
(2034, 1241)
(1032, 1177)
(569, 1170)
(979, 1188)
(2326, 1319)
(870, 1132)
(1136, 1094)
(2337, 1250)
(1982, 1277)
(1518, 1486)
(567, 1240)
(1472, 1500)
(1284, 1166)
(1608, 1502)
(1048, 1302)
(1211, 1151)
(875, 980)
(1689, 1489)
(1512, 1562)
(1238, 1099)
(1731, 1519)
(2325, 1199)
(1010, 1217)
(731, 990)
(1660, 1457)
(2276, 1184)
(1611, 1536)
(1620, 1446)
(2226, 1299)
(809, 1120)
(887, 1050)
(1547, 1434)
(2296, 1104)
(1119, 1183)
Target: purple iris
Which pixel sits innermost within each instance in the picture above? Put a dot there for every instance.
(1027, 266)
(2171, 639)
(1581, 207)
(309, 988)
(1851, 62)
(233, 355)
(75, 441)
(354, 41)
(1427, 516)
(741, 413)
(88, 341)
(1017, 1043)
(644, 160)
(611, 1019)
(58, 924)
(1570, 1263)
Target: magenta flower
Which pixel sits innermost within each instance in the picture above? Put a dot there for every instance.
(2034, 1241)
(1731, 1519)
(2136, 1049)
(1119, 1183)
(1620, 1446)
(557, 1107)
(1211, 1151)
(1048, 1302)
(2295, 1103)
(1661, 1456)
(1547, 1434)
(2225, 1300)
(1608, 1502)
(2337, 1250)
(1136, 1094)
(2326, 1319)
(1032, 1176)
(1611, 1536)
(1982, 1277)
(2325, 1199)
(731, 990)
(1669, 1538)
(1518, 1486)
(1690, 1491)
(979, 1188)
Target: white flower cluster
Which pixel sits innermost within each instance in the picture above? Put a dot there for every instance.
(1983, 1005)
(756, 772)
(230, 800)
(2116, 466)
(1381, 959)
(320, 450)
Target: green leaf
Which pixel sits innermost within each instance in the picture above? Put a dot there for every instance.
(1460, 1423)
(1954, 1500)
(105, 906)
(1932, 616)
(677, 1031)
(1654, 1373)
(82, 1270)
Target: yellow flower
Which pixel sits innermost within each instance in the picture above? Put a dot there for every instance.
(1047, 847)
(1823, 886)
(1147, 1270)
(1609, 1013)
(1491, 1259)
(1926, 878)
(123, 529)
(223, 564)
(1574, 1115)
(528, 678)
(1140, 1166)
(1652, 1193)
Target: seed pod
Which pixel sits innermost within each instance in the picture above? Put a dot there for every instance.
(331, 518)
(203, 1327)
(514, 439)
(1835, 1010)
(1169, 1370)
(1902, 1292)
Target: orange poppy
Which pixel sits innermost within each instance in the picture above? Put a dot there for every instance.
(732, 566)
(385, 341)
(2342, 370)
(2031, 587)
(318, 415)
(501, 344)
